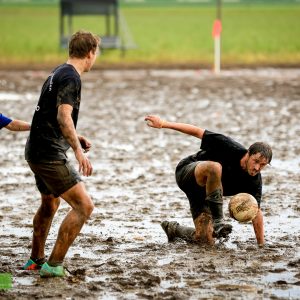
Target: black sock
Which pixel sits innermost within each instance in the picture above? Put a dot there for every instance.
(39, 261)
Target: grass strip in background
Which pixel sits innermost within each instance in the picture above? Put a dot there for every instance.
(166, 36)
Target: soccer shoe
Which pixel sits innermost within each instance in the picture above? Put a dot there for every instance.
(48, 271)
(32, 265)
(170, 229)
(221, 229)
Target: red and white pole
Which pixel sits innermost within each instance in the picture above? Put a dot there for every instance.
(216, 32)
(217, 29)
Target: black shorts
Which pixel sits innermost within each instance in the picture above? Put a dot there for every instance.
(186, 181)
(54, 177)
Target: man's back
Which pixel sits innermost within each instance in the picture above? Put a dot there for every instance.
(46, 142)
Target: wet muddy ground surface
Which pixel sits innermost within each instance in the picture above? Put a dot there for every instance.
(122, 253)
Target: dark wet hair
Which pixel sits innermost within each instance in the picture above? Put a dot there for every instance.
(264, 149)
(82, 42)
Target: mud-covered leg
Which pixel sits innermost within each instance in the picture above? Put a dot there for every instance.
(202, 233)
(208, 174)
(204, 229)
(215, 202)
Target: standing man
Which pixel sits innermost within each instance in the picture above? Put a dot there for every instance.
(53, 132)
(13, 125)
(221, 167)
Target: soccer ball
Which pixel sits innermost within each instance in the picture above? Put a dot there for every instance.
(243, 207)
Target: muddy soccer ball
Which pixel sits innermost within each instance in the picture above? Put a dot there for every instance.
(243, 207)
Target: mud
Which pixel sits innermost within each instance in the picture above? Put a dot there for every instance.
(122, 253)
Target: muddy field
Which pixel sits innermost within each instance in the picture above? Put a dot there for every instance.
(122, 253)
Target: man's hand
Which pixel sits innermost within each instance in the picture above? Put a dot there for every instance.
(84, 164)
(154, 121)
(85, 143)
(65, 121)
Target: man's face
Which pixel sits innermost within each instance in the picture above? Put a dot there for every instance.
(255, 164)
(91, 60)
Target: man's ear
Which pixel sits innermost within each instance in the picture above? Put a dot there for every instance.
(89, 55)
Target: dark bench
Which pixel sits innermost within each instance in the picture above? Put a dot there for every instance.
(107, 8)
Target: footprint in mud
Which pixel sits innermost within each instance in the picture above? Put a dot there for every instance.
(7, 208)
(295, 264)
(236, 287)
(146, 279)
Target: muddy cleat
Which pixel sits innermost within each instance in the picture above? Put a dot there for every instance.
(48, 271)
(170, 229)
(33, 265)
(221, 230)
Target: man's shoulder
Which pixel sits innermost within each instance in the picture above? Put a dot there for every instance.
(211, 138)
(66, 72)
(211, 135)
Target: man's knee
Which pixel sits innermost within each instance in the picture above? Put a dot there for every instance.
(78, 198)
(207, 170)
(49, 205)
(87, 207)
(214, 169)
(90, 208)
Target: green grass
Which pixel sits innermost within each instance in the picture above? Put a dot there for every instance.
(252, 35)
(271, 35)
(29, 35)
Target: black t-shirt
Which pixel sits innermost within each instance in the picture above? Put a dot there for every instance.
(45, 141)
(226, 151)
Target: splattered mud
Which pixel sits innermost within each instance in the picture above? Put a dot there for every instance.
(122, 253)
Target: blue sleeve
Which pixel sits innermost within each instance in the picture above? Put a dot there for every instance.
(4, 121)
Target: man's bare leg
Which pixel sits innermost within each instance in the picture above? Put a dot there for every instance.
(41, 224)
(82, 207)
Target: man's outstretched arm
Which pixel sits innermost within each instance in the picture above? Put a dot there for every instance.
(258, 226)
(157, 122)
(18, 125)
